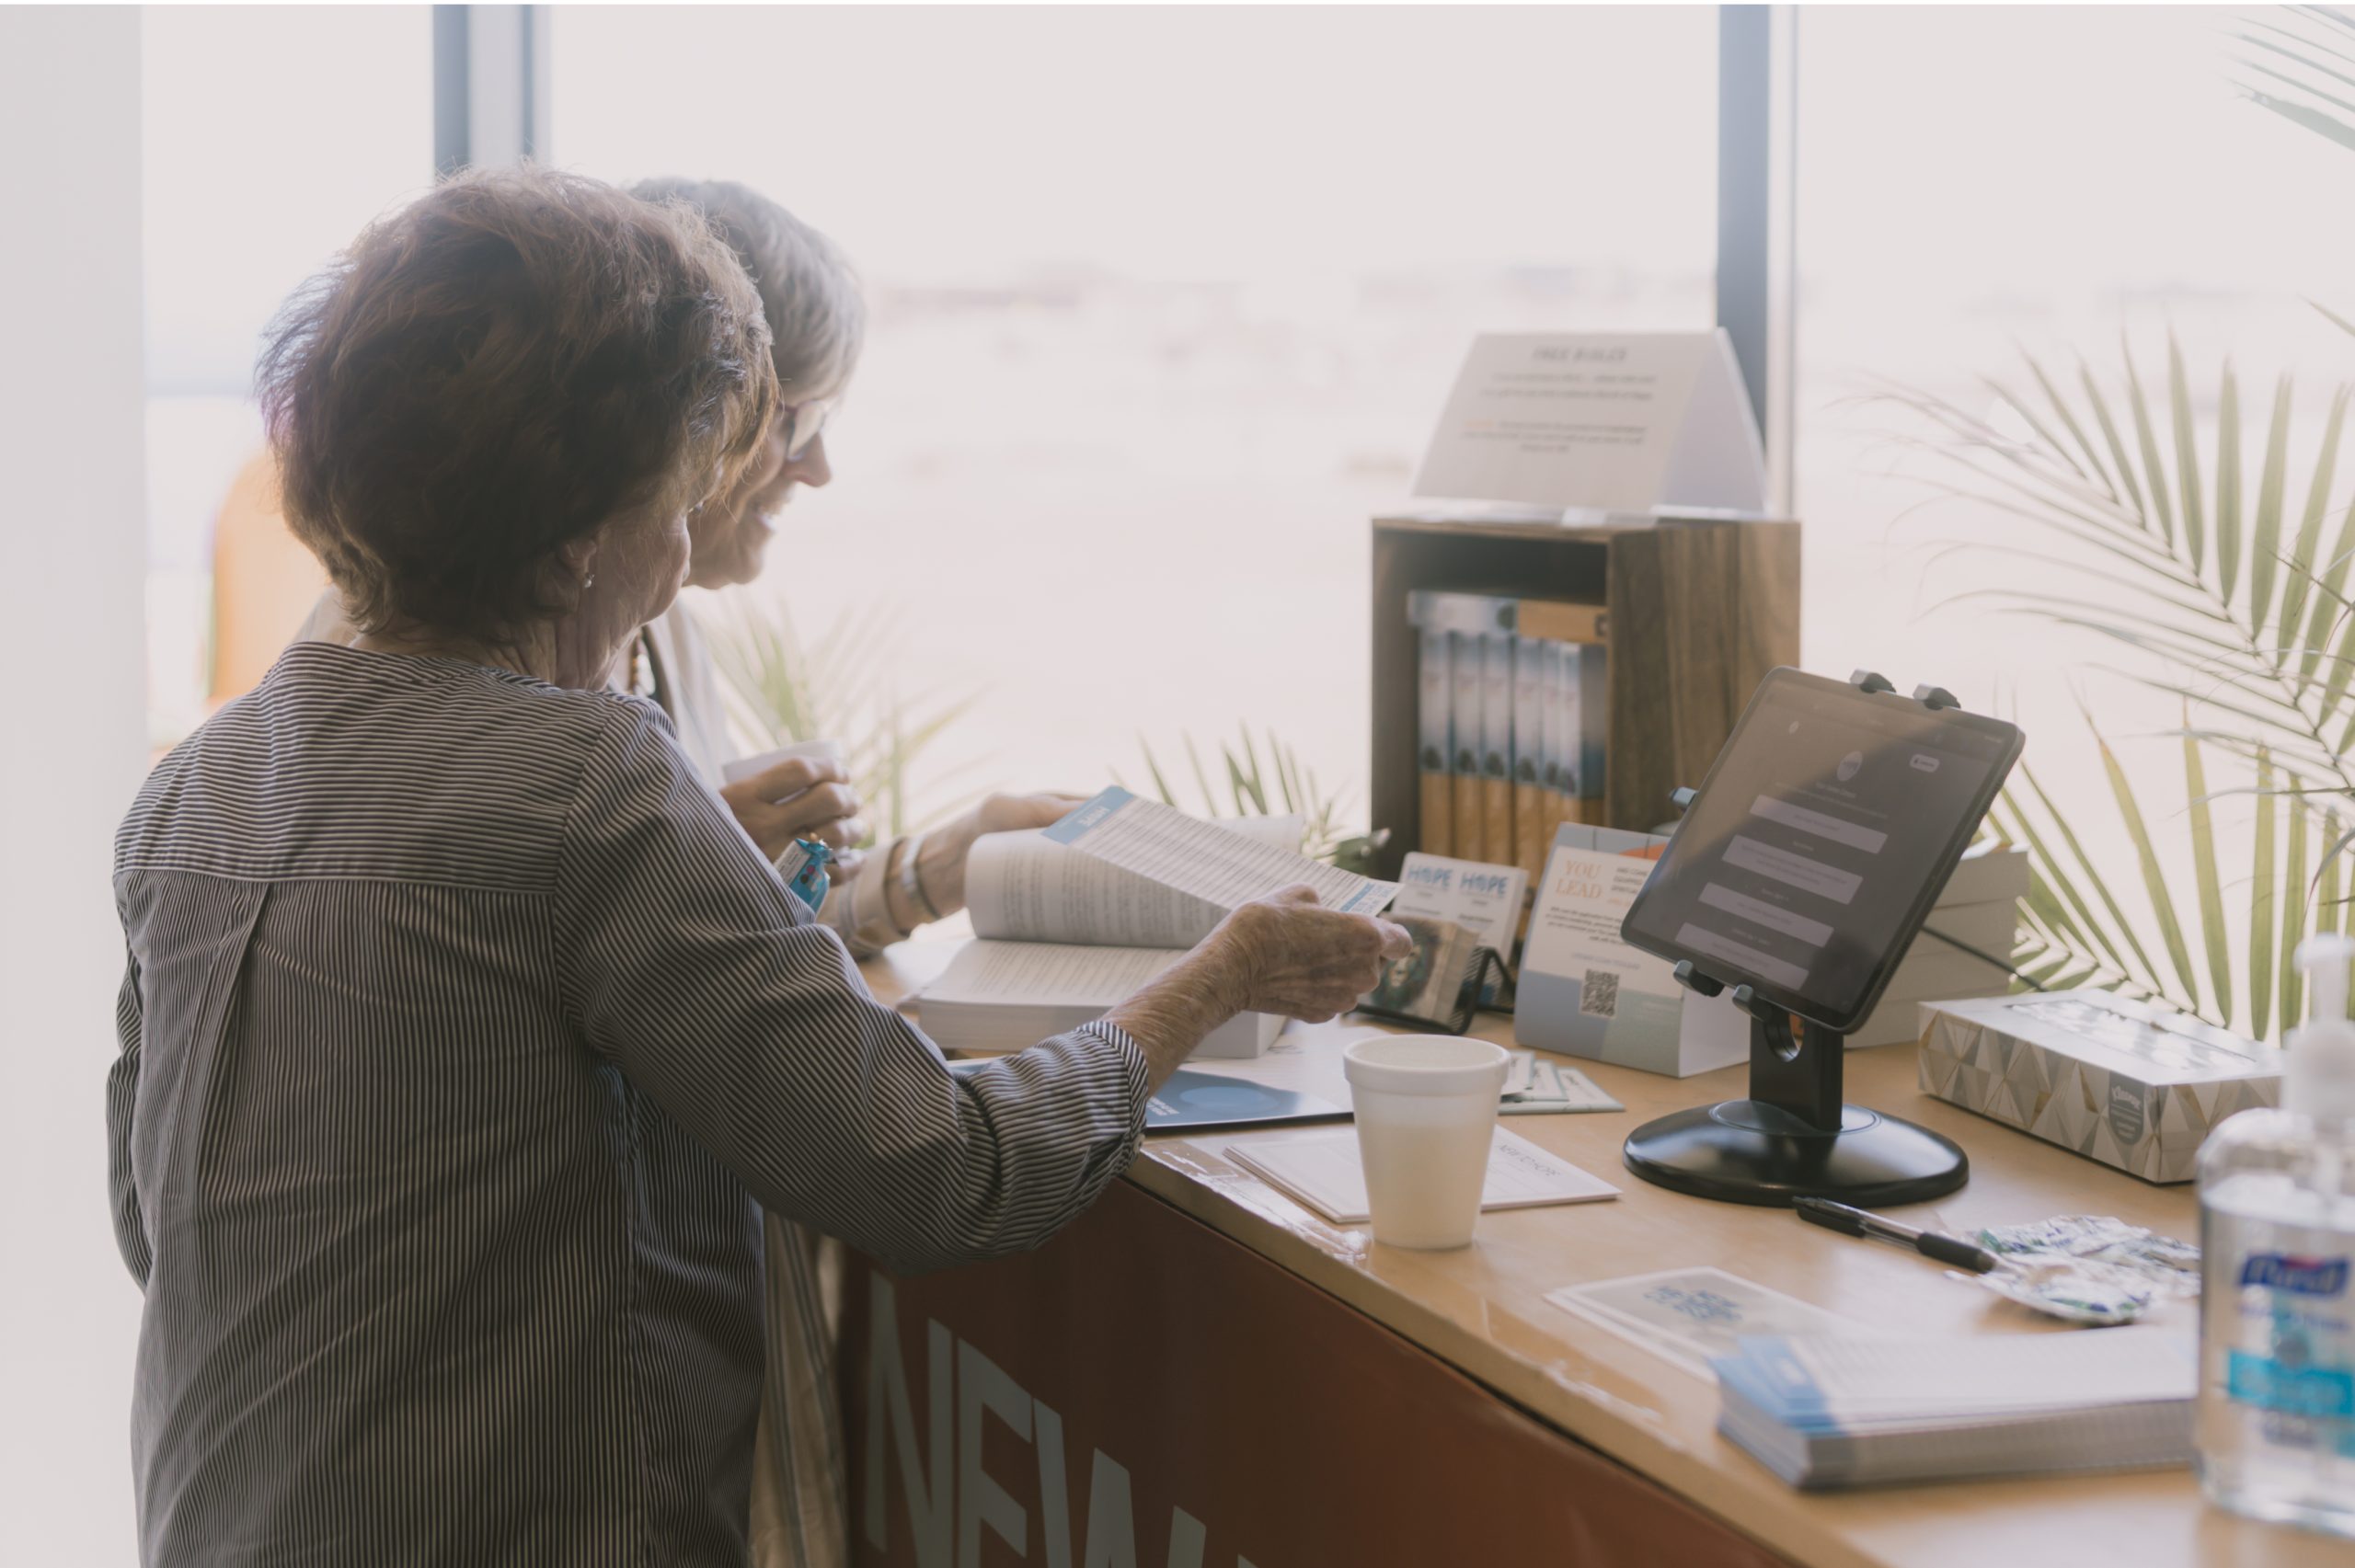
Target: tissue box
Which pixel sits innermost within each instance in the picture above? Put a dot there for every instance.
(2133, 1084)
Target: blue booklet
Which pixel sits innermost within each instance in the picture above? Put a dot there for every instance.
(1192, 1099)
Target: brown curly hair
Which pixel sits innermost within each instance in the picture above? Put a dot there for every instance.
(496, 370)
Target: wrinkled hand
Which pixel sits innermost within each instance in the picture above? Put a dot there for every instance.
(941, 866)
(1288, 953)
(801, 798)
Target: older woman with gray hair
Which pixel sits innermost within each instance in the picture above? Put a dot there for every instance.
(817, 320)
(465, 1037)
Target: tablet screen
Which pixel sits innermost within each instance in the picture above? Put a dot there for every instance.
(1819, 842)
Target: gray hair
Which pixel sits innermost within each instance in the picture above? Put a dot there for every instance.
(817, 317)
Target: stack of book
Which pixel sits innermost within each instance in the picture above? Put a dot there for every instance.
(1833, 1411)
(998, 997)
(1976, 920)
(1061, 936)
(1511, 718)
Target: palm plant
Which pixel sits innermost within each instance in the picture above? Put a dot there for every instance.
(2301, 66)
(839, 688)
(2235, 607)
(2228, 583)
(782, 690)
(1248, 793)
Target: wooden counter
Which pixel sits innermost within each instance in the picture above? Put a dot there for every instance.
(1483, 1311)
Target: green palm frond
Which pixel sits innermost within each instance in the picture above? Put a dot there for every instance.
(2237, 608)
(1282, 787)
(780, 689)
(2299, 66)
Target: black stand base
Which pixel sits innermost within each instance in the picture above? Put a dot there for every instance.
(1749, 1151)
(1794, 1137)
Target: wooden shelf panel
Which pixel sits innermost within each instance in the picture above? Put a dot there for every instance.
(1699, 613)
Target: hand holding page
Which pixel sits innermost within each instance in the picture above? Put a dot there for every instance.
(1025, 887)
(1205, 861)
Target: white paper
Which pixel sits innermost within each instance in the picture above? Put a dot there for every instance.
(1323, 1170)
(1691, 1316)
(1541, 1086)
(1208, 862)
(1625, 422)
(1025, 887)
(1881, 1381)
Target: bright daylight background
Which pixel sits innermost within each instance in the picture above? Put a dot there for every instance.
(1164, 302)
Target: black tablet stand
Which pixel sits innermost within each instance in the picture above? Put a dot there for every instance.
(1794, 1137)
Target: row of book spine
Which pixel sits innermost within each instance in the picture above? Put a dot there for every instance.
(1512, 724)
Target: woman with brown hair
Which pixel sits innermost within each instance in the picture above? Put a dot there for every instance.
(465, 1036)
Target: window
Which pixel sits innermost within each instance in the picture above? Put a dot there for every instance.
(2060, 177)
(2055, 178)
(1164, 305)
(271, 136)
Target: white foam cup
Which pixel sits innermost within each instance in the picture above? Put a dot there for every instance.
(743, 768)
(1426, 1114)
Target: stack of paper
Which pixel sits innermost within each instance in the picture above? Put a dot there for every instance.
(1979, 908)
(1324, 1171)
(1825, 1412)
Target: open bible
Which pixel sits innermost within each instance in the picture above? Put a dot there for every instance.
(1061, 936)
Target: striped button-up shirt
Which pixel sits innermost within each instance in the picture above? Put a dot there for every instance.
(463, 1032)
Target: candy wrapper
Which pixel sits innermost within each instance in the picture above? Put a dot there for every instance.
(2088, 1268)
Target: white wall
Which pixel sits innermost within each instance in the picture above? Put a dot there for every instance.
(72, 546)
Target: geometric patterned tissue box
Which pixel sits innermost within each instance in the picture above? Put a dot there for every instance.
(2130, 1083)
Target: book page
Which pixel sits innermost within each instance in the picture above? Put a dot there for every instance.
(1027, 888)
(1204, 859)
(1046, 974)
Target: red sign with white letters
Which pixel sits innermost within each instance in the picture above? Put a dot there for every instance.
(1142, 1392)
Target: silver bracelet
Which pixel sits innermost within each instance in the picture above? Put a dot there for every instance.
(860, 909)
(911, 881)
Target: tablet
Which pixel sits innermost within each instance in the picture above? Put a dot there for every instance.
(1817, 843)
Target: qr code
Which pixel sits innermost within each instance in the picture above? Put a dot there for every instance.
(1599, 996)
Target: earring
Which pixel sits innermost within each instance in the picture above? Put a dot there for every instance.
(589, 582)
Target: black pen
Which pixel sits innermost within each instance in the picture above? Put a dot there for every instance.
(1929, 1244)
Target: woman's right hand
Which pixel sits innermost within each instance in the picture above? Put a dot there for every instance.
(1283, 954)
(1288, 953)
(801, 798)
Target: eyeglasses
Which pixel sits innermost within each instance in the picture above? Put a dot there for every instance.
(804, 422)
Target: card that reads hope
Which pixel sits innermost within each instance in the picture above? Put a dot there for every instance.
(1585, 992)
(1484, 899)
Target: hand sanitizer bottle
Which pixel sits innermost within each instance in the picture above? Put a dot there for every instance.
(2277, 1318)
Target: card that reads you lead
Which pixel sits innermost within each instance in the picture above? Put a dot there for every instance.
(1584, 992)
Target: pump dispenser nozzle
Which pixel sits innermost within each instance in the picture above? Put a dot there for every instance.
(2319, 1079)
